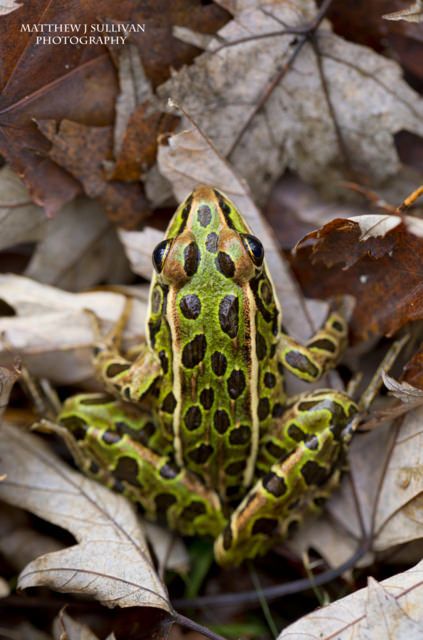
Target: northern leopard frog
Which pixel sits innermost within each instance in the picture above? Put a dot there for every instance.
(197, 428)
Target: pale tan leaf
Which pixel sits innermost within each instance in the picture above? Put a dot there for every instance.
(134, 89)
(138, 246)
(7, 6)
(346, 618)
(67, 628)
(79, 248)
(169, 549)
(4, 588)
(402, 390)
(385, 618)
(20, 219)
(200, 40)
(373, 225)
(295, 128)
(413, 13)
(19, 541)
(51, 330)
(110, 561)
(189, 159)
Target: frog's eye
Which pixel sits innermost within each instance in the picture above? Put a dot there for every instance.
(160, 254)
(254, 248)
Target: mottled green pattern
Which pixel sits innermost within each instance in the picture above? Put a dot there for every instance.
(199, 415)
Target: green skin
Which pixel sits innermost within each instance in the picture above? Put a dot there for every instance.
(198, 418)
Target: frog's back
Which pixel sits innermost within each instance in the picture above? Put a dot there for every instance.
(214, 322)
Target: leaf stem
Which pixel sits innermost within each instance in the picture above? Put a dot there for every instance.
(183, 621)
(277, 591)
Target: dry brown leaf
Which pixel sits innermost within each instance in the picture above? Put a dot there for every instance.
(110, 561)
(7, 6)
(19, 541)
(391, 609)
(51, 330)
(295, 126)
(413, 13)
(402, 390)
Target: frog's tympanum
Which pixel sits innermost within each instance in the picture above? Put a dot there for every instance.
(197, 428)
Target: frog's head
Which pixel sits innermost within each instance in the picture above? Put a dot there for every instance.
(207, 233)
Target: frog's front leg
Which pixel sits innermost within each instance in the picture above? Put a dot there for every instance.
(321, 352)
(311, 439)
(130, 377)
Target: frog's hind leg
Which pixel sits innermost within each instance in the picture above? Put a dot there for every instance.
(121, 446)
(303, 457)
(131, 377)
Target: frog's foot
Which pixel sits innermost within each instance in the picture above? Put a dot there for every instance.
(132, 379)
(306, 473)
(113, 442)
(321, 352)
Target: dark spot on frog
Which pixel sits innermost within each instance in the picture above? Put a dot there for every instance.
(221, 421)
(225, 264)
(193, 510)
(191, 258)
(323, 343)
(127, 469)
(219, 363)
(235, 468)
(274, 484)
(267, 526)
(236, 384)
(314, 473)
(212, 242)
(193, 418)
(115, 368)
(240, 436)
(111, 437)
(169, 471)
(204, 215)
(169, 403)
(228, 315)
(164, 361)
(300, 362)
(193, 352)
(207, 398)
(263, 409)
(76, 425)
(296, 433)
(201, 454)
(163, 501)
(190, 306)
(269, 380)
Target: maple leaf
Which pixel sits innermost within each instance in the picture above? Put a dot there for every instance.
(270, 98)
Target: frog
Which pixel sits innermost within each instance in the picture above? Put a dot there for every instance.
(194, 423)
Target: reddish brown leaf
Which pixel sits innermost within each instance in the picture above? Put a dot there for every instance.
(82, 151)
(139, 147)
(160, 51)
(51, 82)
(383, 272)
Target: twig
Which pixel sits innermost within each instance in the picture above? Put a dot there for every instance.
(277, 591)
(194, 626)
(305, 35)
